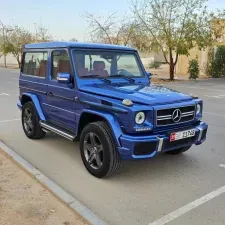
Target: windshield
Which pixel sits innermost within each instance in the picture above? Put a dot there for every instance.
(107, 64)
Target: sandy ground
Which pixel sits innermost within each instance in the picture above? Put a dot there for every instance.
(23, 201)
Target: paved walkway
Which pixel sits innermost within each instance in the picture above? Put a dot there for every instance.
(23, 201)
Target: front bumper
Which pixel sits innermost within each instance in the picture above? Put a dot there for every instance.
(140, 147)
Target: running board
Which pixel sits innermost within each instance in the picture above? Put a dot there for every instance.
(58, 131)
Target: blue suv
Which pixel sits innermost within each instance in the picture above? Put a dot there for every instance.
(102, 95)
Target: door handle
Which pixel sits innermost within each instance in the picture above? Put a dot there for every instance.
(76, 99)
(50, 94)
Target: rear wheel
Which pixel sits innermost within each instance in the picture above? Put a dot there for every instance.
(30, 122)
(178, 151)
(98, 150)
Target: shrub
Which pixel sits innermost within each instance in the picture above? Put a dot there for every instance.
(218, 63)
(207, 68)
(154, 65)
(193, 69)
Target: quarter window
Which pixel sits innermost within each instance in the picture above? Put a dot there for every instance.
(35, 64)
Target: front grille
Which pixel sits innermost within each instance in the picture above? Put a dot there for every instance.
(164, 116)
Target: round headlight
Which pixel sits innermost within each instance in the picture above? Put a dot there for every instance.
(140, 118)
(198, 109)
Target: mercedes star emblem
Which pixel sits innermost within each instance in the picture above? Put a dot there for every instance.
(176, 116)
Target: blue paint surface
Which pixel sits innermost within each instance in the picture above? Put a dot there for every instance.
(58, 44)
(64, 104)
(36, 102)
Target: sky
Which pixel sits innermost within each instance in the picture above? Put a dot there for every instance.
(65, 18)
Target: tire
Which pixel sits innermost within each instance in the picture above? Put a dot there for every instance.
(178, 151)
(104, 160)
(31, 126)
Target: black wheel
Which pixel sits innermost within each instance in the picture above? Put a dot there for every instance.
(178, 151)
(30, 122)
(98, 150)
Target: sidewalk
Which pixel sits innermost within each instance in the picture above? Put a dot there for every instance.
(23, 201)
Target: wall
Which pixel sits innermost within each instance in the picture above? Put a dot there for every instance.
(148, 58)
(218, 34)
(10, 60)
(182, 64)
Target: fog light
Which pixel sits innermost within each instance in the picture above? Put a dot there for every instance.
(144, 129)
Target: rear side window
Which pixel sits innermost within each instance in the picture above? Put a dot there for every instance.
(35, 64)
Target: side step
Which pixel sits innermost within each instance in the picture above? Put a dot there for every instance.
(62, 132)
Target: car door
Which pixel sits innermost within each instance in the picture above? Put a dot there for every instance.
(61, 97)
(33, 79)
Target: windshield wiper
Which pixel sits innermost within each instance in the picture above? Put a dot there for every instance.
(99, 77)
(123, 76)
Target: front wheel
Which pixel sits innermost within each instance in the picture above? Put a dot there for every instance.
(98, 150)
(178, 151)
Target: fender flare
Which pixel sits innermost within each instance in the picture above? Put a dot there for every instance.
(36, 102)
(111, 120)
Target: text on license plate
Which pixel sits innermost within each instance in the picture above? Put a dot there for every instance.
(181, 135)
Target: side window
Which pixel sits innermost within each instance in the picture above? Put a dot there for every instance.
(35, 64)
(60, 63)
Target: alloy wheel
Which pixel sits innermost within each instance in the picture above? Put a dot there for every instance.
(27, 120)
(93, 150)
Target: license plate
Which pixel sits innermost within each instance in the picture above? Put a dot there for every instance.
(181, 135)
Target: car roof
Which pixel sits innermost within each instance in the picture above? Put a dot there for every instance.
(58, 44)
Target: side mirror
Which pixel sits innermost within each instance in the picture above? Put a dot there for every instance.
(64, 78)
(149, 75)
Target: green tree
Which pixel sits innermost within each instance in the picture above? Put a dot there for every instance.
(2, 47)
(207, 67)
(2, 51)
(16, 40)
(218, 63)
(141, 41)
(4, 30)
(176, 26)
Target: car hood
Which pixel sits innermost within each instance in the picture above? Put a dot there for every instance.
(139, 93)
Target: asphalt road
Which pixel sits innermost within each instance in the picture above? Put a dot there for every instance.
(163, 190)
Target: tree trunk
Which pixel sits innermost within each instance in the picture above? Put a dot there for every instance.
(18, 61)
(172, 66)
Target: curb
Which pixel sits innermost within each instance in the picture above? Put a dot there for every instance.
(61, 194)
